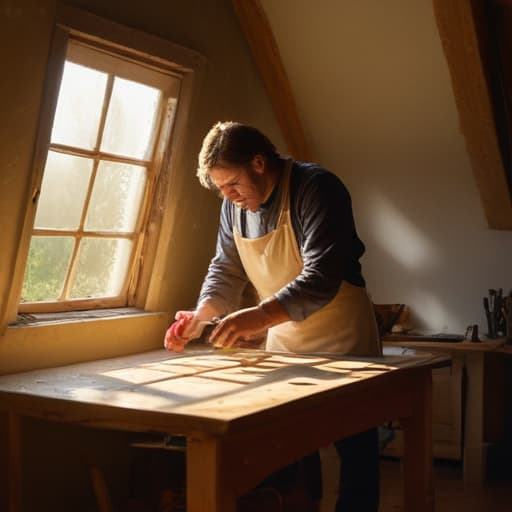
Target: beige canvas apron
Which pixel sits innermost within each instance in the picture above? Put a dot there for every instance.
(345, 325)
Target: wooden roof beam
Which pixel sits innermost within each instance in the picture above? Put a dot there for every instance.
(257, 29)
(456, 24)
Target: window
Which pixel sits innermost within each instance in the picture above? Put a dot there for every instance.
(111, 121)
(97, 177)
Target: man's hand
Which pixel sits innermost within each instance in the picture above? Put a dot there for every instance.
(179, 333)
(239, 326)
(188, 326)
(247, 324)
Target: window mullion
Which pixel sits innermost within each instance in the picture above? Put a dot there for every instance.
(80, 232)
(71, 268)
(104, 111)
(97, 156)
(96, 234)
(87, 153)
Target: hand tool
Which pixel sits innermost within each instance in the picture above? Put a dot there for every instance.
(488, 317)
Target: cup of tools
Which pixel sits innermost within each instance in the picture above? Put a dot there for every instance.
(497, 313)
(508, 318)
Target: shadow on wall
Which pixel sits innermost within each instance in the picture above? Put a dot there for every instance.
(432, 266)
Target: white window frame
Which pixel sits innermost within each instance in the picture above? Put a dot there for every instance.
(187, 65)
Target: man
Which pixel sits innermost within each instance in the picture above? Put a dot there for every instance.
(287, 228)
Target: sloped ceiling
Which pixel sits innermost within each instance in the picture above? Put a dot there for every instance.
(374, 96)
(318, 23)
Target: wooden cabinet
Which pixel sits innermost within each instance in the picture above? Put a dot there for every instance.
(446, 415)
(467, 403)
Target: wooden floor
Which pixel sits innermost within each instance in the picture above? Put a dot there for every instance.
(451, 495)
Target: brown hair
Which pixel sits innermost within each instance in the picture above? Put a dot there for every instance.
(232, 144)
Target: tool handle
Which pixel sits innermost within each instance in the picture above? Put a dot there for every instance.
(491, 325)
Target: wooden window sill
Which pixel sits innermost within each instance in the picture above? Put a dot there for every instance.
(35, 319)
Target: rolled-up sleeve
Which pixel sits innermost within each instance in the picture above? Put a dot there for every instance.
(226, 278)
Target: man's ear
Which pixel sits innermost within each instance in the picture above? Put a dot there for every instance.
(258, 164)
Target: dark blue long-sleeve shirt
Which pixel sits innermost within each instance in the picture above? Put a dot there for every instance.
(322, 219)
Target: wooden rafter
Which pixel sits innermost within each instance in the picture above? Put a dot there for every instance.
(456, 24)
(260, 38)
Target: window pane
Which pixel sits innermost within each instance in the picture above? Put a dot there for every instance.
(63, 191)
(79, 106)
(102, 267)
(116, 197)
(47, 264)
(131, 119)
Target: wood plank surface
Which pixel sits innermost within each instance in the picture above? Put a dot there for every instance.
(207, 390)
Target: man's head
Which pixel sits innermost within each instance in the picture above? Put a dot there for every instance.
(240, 162)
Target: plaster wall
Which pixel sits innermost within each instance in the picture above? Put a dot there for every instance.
(56, 458)
(374, 94)
(230, 89)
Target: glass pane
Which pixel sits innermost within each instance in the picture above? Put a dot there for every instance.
(102, 267)
(79, 106)
(48, 261)
(131, 119)
(63, 191)
(116, 197)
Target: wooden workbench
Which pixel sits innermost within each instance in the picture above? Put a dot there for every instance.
(244, 413)
(467, 357)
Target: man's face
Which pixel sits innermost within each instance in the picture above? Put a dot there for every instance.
(245, 187)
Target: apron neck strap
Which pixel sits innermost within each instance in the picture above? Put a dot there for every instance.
(285, 191)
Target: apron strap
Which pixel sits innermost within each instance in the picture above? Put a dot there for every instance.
(284, 205)
(285, 192)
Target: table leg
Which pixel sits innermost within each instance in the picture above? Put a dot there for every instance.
(474, 446)
(417, 459)
(10, 464)
(208, 485)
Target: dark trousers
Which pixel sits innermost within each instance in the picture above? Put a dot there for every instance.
(359, 483)
(359, 479)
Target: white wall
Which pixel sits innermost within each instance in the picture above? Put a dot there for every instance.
(374, 95)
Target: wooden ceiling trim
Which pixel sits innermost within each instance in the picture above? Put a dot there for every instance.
(456, 25)
(258, 32)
